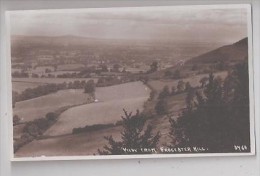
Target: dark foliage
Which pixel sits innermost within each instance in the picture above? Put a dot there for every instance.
(47, 89)
(164, 93)
(134, 136)
(90, 87)
(16, 120)
(153, 67)
(35, 129)
(161, 107)
(17, 74)
(218, 116)
(39, 126)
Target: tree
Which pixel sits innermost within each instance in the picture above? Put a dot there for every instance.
(168, 74)
(161, 107)
(51, 116)
(90, 87)
(104, 68)
(134, 136)
(153, 67)
(173, 90)
(187, 86)
(164, 93)
(176, 74)
(16, 120)
(152, 95)
(116, 68)
(221, 65)
(180, 86)
(216, 117)
(238, 98)
(203, 81)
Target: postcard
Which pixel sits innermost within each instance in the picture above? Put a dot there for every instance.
(131, 82)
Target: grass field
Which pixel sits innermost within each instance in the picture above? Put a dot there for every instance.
(193, 80)
(29, 110)
(20, 84)
(70, 67)
(85, 143)
(70, 145)
(63, 72)
(109, 108)
(41, 69)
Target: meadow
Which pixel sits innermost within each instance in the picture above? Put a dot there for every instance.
(194, 81)
(20, 84)
(109, 105)
(35, 108)
(85, 143)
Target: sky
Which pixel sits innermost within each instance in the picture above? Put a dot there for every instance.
(190, 23)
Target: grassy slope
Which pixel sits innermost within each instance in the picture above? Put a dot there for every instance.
(234, 52)
(111, 102)
(29, 110)
(70, 145)
(85, 143)
(194, 81)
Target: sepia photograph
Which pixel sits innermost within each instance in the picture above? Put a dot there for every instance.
(165, 81)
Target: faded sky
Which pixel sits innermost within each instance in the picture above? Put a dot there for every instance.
(165, 23)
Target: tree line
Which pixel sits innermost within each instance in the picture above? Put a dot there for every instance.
(29, 93)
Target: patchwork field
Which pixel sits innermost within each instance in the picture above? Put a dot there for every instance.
(20, 84)
(29, 110)
(108, 109)
(42, 69)
(193, 80)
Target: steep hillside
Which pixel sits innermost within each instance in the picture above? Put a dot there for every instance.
(215, 60)
(229, 53)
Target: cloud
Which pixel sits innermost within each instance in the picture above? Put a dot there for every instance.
(135, 23)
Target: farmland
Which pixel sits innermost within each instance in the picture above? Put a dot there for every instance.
(69, 144)
(20, 84)
(64, 113)
(112, 100)
(29, 110)
(70, 67)
(193, 80)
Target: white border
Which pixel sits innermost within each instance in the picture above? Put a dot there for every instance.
(96, 157)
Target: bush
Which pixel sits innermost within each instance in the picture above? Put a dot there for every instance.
(134, 135)
(90, 87)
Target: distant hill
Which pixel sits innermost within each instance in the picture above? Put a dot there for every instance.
(206, 62)
(27, 48)
(229, 53)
